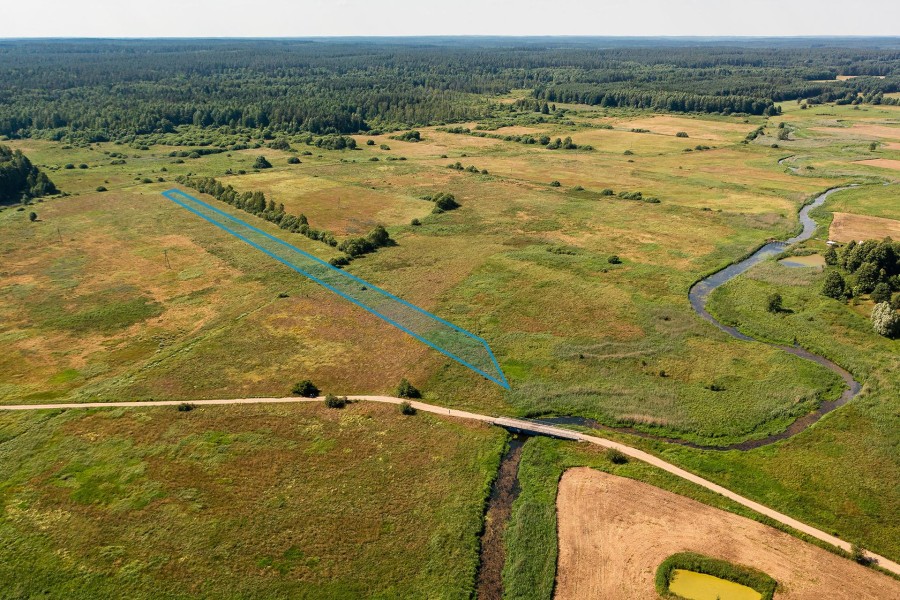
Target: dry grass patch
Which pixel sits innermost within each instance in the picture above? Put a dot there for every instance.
(847, 227)
(881, 163)
(614, 532)
(701, 129)
(862, 131)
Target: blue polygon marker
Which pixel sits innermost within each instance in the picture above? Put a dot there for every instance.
(462, 346)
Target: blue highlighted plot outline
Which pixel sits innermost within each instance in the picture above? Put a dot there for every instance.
(475, 348)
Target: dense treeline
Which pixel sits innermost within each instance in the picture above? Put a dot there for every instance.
(21, 180)
(256, 203)
(869, 267)
(99, 90)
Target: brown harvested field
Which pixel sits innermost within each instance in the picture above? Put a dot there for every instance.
(884, 163)
(865, 131)
(846, 227)
(614, 532)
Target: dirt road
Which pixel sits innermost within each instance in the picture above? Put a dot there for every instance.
(511, 423)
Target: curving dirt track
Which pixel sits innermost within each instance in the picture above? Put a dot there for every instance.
(614, 532)
(519, 425)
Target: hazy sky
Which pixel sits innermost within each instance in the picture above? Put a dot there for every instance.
(302, 18)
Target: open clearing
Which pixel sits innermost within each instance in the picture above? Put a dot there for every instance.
(614, 532)
(847, 227)
(261, 501)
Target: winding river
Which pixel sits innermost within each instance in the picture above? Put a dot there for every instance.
(698, 296)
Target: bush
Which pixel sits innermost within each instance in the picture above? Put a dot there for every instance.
(406, 390)
(616, 457)
(858, 554)
(681, 134)
(370, 142)
(614, 260)
(606, 192)
(415, 222)
(332, 401)
(407, 409)
(339, 261)
(185, 407)
(69, 166)
(555, 183)
(293, 160)
(32, 216)
(82, 166)
(305, 389)
(261, 163)
(100, 188)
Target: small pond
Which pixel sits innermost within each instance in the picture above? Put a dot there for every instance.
(699, 586)
(813, 260)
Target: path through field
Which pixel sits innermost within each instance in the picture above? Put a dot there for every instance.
(515, 425)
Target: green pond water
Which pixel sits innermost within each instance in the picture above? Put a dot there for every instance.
(699, 586)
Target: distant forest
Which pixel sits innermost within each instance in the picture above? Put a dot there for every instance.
(97, 90)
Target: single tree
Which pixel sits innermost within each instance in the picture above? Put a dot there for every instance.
(885, 320)
(831, 256)
(32, 216)
(774, 303)
(834, 285)
(406, 408)
(881, 293)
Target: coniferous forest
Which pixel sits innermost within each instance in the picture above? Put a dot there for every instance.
(96, 90)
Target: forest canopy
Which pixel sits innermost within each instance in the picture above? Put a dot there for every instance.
(99, 90)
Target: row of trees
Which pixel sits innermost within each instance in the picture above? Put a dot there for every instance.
(20, 180)
(256, 203)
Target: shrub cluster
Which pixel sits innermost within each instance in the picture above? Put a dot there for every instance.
(375, 239)
(638, 196)
(457, 166)
(542, 140)
(443, 202)
(409, 136)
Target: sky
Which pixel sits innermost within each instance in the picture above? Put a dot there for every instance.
(313, 18)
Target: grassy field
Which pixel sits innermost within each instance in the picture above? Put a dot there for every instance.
(242, 502)
(615, 342)
(122, 295)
